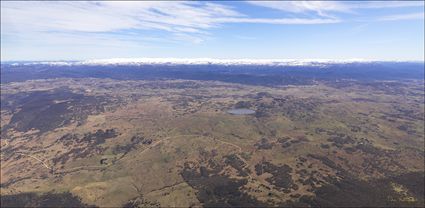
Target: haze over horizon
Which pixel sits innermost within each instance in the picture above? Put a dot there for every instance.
(220, 30)
(172, 60)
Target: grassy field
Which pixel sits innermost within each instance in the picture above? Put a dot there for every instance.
(171, 143)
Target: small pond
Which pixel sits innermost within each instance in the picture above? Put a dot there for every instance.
(241, 111)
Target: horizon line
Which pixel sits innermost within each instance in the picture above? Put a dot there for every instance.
(173, 59)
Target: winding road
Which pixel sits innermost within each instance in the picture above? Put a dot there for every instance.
(94, 167)
(41, 161)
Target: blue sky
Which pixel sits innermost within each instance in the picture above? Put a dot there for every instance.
(242, 29)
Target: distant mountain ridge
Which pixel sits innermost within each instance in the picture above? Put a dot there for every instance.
(203, 61)
(254, 73)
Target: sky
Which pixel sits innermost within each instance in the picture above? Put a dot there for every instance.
(80, 30)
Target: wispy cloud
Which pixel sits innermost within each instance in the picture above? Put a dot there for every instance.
(45, 26)
(283, 21)
(111, 16)
(177, 18)
(319, 7)
(328, 8)
(396, 17)
(183, 20)
(382, 4)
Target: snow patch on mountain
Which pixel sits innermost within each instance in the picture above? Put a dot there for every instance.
(206, 61)
(201, 61)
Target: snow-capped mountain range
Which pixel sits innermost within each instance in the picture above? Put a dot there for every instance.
(201, 61)
(205, 61)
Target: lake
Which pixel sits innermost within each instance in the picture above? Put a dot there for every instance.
(241, 111)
